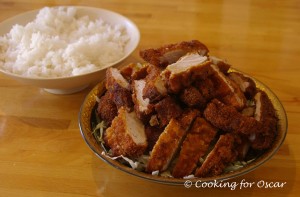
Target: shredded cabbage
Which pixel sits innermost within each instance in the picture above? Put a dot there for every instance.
(155, 173)
(237, 165)
(98, 131)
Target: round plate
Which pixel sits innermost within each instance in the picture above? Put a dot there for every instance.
(86, 113)
(61, 85)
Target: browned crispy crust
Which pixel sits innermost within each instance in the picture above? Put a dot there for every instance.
(242, 147)
(122, 97)
(192, 97)
(207, 88)
(165, 147)
(167, 109)
(227, 91)
(169, 54)
(134, 71)
(119, 91)
(188, 116)
(152, 134)
(119, 140)
(194, 146)
(267, 117)
(223, 153)
(154, 89)
(107, 110)
(229, 119)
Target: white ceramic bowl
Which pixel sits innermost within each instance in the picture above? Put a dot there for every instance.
(71, 84)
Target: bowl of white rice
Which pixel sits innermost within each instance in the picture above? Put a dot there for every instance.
(64, 49)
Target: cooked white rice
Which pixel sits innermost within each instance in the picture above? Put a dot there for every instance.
(58, 43)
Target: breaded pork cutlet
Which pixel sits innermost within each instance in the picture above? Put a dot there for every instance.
(192, 97)
(228, 119)
(169, 54)
(126, 135)
(222, 154)
(134, 71)
(222, 64)
(266, 115)
(194, 146)
(187, 117)
(167, 109)
(152, 134)
(154, 89)
(169, 141)
(227, 91)
(246, 84)
(206, 88)
(165, 147)
(119, 89)
(142, 106)
(106, 109)
(185, 71)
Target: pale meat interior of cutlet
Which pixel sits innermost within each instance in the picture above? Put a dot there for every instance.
(135, 128)
(159, 84)
(257, 106)
(119, 78)
(139, 86)
(214, 59)
(222, 76)
(243, 84)
(186, 62)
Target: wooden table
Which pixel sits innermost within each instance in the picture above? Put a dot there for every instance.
(42, 152)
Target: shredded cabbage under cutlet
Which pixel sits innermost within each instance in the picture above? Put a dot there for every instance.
(136, 165)
(237, 165)
(98, 131)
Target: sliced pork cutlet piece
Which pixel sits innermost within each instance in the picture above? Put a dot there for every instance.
(185, 71)
(206, 88)
(170, 140)
(221, 155)
(227, 118)
(188, 116)
(169, 54)
(113, 77)
(152, 134)
(194, 146)
(166, 147)
(246, 84)
(219, 86)
(192, 97)
(142, 106)
(167, 109)
(134, 71)
(154, 89)
(126, 135)
(106, 109)
(243, 147)
(222, 65)
(119, 89)
(266, 114)
(227, 91)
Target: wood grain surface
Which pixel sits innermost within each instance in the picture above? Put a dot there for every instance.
(43, 154)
